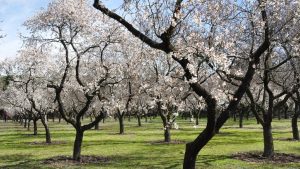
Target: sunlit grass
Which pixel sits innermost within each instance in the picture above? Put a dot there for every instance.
(135, 149)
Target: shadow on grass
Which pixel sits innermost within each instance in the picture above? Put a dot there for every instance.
(18, 161)
(207, 160)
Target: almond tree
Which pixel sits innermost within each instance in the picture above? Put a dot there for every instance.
(27, 91)
(217, 34)
(84, 73)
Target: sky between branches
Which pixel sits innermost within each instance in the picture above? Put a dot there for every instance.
(13, 13)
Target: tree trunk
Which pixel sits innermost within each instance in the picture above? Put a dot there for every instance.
(279, 114)
(28, 125)
(25, 123)
(45, 124)
(295, 122)
(59, 118)
(285, 114)
(234, 116)
(167, 134)
(139, 120)
(121, 124)
(295, 128)
(34, 127)
(197, 113)
(268, 140)
(193, 148)
(247, 114)
(77, 145)
(241, 119)
(129, 117)
(97, 126)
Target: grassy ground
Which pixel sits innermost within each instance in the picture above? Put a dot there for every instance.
(135, 149)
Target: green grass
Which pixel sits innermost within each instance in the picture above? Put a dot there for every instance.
(134, 149)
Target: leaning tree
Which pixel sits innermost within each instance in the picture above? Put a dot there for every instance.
(216, 34)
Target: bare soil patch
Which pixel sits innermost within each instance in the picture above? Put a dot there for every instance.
(286, 139)
(44, 143)
(172, 142)
(279, 158)
(66, 160)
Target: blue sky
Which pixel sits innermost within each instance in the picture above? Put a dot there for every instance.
(13, 13)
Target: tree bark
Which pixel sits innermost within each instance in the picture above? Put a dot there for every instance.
(59, 118)
(286, 113)
(139, 120)
(97, 126)
(193, 148)
(167, 134)
(241, 119)
(247, 114)
(121, 124)
(77, 145)
(34, 127)
(45, 124)
(28, 125)
(25, 123)
(295, 122)
(197, 117)
(279, 114)
(268, 140)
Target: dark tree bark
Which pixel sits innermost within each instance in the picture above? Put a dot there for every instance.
(234, 116)
(241, 119)
(279, 114)
(139, 120)
(59, 118)
(35, 126)
(121, 125)
(77, 145)
(295, 127)
(97, 126)
(28, 125)
(5, 116)
(167, 135)
(295, 122)
(268, 140)
(47, 130)
(197, 116)
(247, 114)
(25, 122)
(286, 115)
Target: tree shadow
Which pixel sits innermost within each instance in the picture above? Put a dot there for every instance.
(17, 161)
